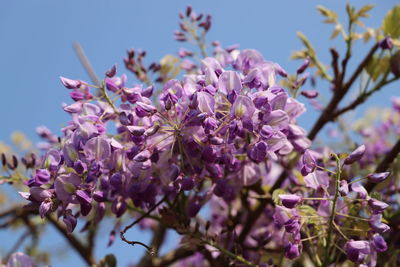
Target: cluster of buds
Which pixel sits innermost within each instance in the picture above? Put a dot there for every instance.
(134, 62)
(190, 23)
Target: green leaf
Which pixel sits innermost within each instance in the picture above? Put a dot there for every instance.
(301, 54)
(363, 12)
(306, 43)
(376, 195)
(391, 22)
(306, 210)
(275, 195)
(337, 30)
(351, 12)
(327, 12)
(170, 66)
(377, 67)
(307, 213)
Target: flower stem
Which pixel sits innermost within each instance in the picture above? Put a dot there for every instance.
(357, 180)
(107, 98)
(315, 198)
(333, 212)
(352, 217)
(232, 255)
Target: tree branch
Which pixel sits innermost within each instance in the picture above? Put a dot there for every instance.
(86, 63)
(83, 251)
(363, 97)
(338, 95)
(156, 242)
(173, 256)
(385, 163)
(122, 233)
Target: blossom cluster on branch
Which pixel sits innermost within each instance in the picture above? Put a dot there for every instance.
(220, 134)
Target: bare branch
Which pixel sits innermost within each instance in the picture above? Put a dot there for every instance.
(86, 63)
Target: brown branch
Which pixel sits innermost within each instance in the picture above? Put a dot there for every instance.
(252, 218)
(335, 67)
(363, 97)
(83, 251)
(324, 118)
(156, 242)
(24, 211)
(122, 233)
(326, 115)
(86, 63)
(18, 210)
(385, 163)
(173, 256)
(19, 242)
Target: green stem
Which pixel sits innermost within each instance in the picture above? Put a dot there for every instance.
(315, 198)
(357, 180)
(232, 255)
(333, 212)
(107, 98)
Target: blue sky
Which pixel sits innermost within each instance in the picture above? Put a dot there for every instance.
(36, 48)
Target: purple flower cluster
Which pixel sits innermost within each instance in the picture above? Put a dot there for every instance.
(205, 133)
(220, 132)
(297, 212)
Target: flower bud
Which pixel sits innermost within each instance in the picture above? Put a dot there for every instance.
(290, 201)
(77, 95)
(136, 130)
(375, 221)
(292, 251)
(143, 110)
(142, 156)
(70, 84)
(73, 108)
(119, 207)
(356, 155)
(309, 163)
(379, 243)
(310, 93)
(193, 207)
(378, 177)
(357, 251)
(42, 176)
(153, 130)
(187, 183)
(386, 43)
(19, 259)
(343, 188)
(70, 221)
(111, 85)
(395, 64)
(376, 205)
(358, 188)
(258, 152)
(303, 66)
(216, 140)
(148, 92)
(111, 72)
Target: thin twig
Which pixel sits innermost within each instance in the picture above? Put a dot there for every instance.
(86, 63)
(339, 93)
(156, 242)
(83, 250)
(122, 233)
(333, 213)
(385, 163)
(363, 97)
(173, 256)
(19, 242)
(232, 255)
